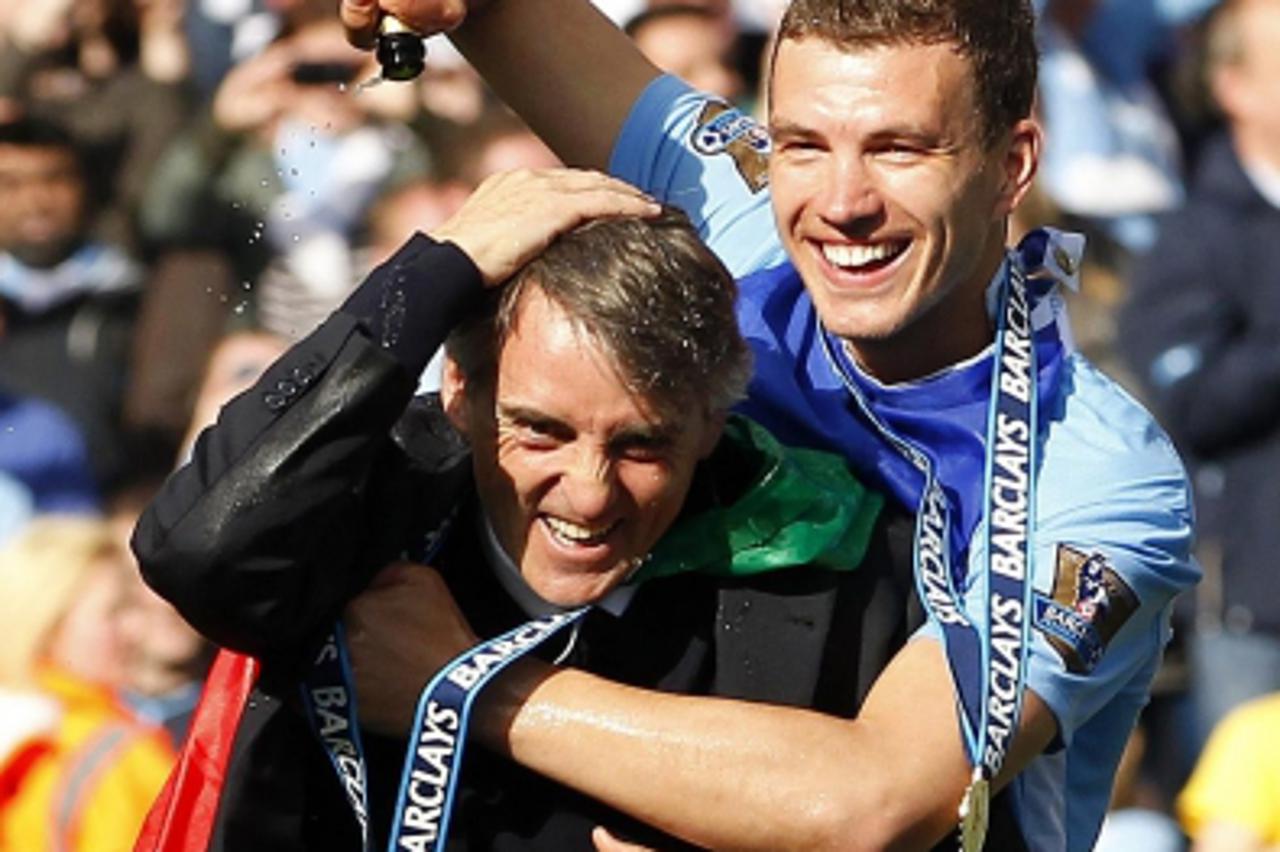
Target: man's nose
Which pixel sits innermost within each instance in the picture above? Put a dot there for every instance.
(32, 197)
(589, 483)
(850, 193)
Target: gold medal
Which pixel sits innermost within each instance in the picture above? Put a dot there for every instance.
(974, 808)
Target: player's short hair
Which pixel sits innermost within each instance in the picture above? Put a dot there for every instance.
(650, 291)
(996, 36)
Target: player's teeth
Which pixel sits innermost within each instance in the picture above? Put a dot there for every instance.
(860, 255)
(574, 532)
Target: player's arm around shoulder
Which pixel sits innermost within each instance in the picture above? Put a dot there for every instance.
(743, 775)
(915, 764)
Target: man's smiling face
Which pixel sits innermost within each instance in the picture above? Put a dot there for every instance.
(887, 199)
(578, 476)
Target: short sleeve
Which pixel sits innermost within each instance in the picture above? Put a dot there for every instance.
(1112, 548)
(709, 159)
(1237, 778)
(1101, 606)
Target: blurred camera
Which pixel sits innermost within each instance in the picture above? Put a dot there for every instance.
(322, 73)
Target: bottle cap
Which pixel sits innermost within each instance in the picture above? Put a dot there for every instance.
(401, 51)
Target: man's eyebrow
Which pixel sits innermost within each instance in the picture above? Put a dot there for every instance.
(791, 130)
(653, 432)
(664, 432)
(531, 416)
(908, 132)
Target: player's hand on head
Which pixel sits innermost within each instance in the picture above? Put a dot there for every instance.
(513, 216)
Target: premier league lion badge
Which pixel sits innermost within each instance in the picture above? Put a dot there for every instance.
(1089, 605)
(721, 129)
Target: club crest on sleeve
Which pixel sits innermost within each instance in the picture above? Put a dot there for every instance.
(1089, 605)
(721, 129)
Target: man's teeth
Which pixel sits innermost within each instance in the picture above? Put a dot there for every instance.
(575, 533)
(847, 256)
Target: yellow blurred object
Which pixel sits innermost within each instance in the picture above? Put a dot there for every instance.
(86, 783)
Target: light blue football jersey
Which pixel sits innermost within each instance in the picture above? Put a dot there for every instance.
(1113, 522)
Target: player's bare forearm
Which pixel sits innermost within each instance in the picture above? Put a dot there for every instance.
(563, 66)
(740, 775)
(720, 773)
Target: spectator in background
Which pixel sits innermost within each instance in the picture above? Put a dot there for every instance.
(1202, 330)
(286, 163)
(1232, 803)
(43, 454)
(691, 42)
(1111, 155)
(79, 770)
(167, 660)
(111, 71)
(271, 181)
(67, 301)
(290, 311)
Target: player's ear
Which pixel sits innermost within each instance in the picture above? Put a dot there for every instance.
(711, 436)
(453, 395)
(1020, 158)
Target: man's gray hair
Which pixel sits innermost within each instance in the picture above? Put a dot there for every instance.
(650, 292)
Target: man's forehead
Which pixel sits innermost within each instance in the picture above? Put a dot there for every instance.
(910, 77)
(905, 46)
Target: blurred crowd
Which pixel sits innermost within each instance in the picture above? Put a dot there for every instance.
(187, 186)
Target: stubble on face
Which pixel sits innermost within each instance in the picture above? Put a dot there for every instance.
(579, 477)
(887, 198)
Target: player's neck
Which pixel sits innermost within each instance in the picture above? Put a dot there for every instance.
(950, 332)
(919, 352)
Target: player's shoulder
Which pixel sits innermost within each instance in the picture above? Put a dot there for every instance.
(708, 157)
(1102, 445)
(1112, 491)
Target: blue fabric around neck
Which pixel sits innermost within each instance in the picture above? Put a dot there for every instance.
(798, 393)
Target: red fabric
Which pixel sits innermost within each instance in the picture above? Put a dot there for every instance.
(182, 818)
(15, 769)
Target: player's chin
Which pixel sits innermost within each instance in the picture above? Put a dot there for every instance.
(576, 585)
(855, 317)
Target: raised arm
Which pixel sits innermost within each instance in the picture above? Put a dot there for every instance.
(561, 64)
(296, 494)
(738, 775)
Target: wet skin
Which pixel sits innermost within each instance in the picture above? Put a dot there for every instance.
(888, 200)
(579, 476)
